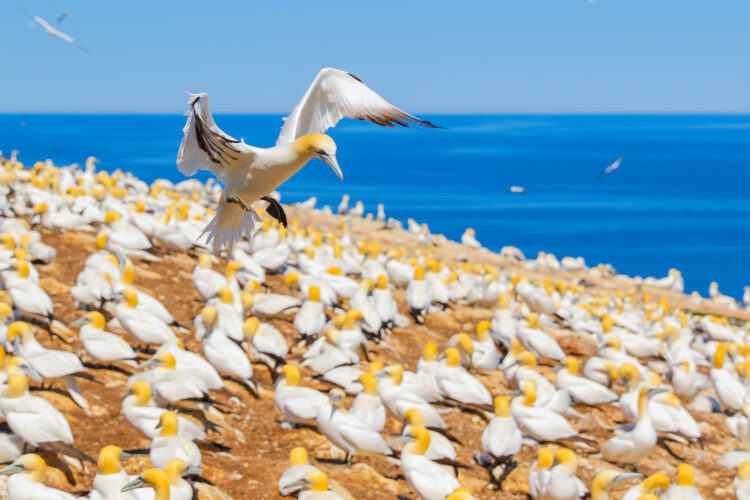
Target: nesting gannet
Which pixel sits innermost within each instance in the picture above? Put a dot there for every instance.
(298, 405)
(168, 444)
(348, 432)
(629, 447)
(99, 343)
(580, 388)
(540, 423)
(429, 480)
(458, 384)
(142, 325)
(685, 488)
(151, 478)
(367, 405)
(537, 341)
(223, 353)
(251, 173)
(311, 318)
(440, 446)
(299, 466)
(26, 295)
(501, 440)
(267, 344)
(419, 295)
(25, 482)
(469, 238)
(143, 413)
(399, 399)
(207, 281)
(32, 417)
(728, 388)
(169, 383)
(110, 476)
(314, 486)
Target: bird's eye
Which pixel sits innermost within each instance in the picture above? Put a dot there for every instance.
(322, 153)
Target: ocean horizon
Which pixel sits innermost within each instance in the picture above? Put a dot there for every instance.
(679, 199)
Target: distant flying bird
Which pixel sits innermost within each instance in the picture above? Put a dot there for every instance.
(615, 165)
(250, 173)
(55, 32)
(517, 189)
(62, 17)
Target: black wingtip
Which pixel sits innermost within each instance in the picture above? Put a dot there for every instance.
(360, 81)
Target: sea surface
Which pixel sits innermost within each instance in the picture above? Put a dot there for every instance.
(680, 199)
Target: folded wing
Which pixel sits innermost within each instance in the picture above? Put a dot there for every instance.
(206, 147)
(336, 94)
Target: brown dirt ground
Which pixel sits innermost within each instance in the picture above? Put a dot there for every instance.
(260, 447)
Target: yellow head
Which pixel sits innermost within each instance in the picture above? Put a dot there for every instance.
(629, 374)
(685, 475)
(314, 294)
(168, 424)
(545, 458)
(529, 392)
(721, 351)
(298, 456)
(109, 460)
(744, 471)
(251, 327)
(503, 301)
(142, 392)
(370, 383)
(430, 352)
(248, 300)
(382, 282)
(290, 374)
(527, 359)
(30, 465)
(460, 493)
(226, 296)
(421, 440)
(502, 406)
(419, 273)
(101, 240)
(131, 297)
(658, 482)
(414, 417)
(567, 458)
(210, 317)
(317, 481)
(204, 261)
(18, 329)
(17, 385)
(452, 356)
(464, 341)
(571, 364)
(482, 328)
(532, 319)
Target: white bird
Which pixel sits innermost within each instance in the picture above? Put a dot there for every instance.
(56, 33)
(348, 432)
(168, 444)
(540, 423)
(311, 318)
(143, 413)
(367, 405)
(299, 467)
(430, 480)
(458, 384)
(563, 483)
(469, 238)
(580, 388)
(298, 405)
(614, 166)
(102, 345)
(685, 488)
(539, 473)
(110, 476)
(32, 417)
(251, 173)
(25, 482)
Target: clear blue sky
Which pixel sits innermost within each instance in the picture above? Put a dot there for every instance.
(537, 56)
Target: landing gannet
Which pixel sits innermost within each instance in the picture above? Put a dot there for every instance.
(50, 30)
(251, 173)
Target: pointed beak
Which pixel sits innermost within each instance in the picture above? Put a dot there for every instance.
(150, 362)
(79, 322)
(31, 373)
(124, 455)
(331, 161)
(136, 483)
(558, 368)
(401, 439)
(625, 476)
(192, 471)
(11, 469)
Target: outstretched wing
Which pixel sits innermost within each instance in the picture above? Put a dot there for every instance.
(336, 94)
(205, 146)
(44, 24)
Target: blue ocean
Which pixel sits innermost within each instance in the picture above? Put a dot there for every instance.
(680, 199)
